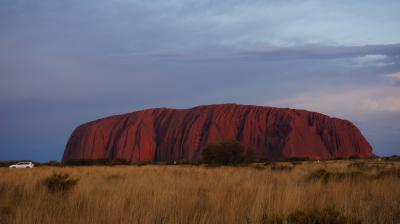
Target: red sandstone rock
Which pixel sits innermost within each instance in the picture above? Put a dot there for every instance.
(181, 134)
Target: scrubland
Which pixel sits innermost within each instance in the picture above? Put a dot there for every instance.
(298, 192)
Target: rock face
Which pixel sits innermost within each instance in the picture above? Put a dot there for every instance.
(181, 134)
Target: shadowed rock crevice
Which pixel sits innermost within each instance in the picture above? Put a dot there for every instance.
(117, 138)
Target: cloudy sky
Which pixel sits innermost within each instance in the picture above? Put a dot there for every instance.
(63, 63)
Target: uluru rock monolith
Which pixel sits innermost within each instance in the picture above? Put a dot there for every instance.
(163, 134)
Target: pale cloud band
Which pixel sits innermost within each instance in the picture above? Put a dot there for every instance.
(347, 102)
(374, 60)
(395, 75)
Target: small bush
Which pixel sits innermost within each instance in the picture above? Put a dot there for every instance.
(268, 163)
(250, 155)
(320, 174)
(327, 215)
(325, 176)
(97, 162)
(59, 183)
(381, 168)
(6, 214)
(295, 163)
(225, 153)
(354, 157)
(141, 164)
(359, 165)
(392, 158)
(87, 162)
(213, 165)
(393, 172)
(258, 166)
(50, 163)
(296, 159)
(281, 168)
(116, 177)
(4, 187)
(268, 219)
(117, 162)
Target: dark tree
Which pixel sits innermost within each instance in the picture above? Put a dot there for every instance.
(250, 155)
(227, 152)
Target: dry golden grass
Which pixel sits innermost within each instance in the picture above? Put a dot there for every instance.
(198, 194)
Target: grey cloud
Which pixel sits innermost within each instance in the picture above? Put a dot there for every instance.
(370, 55)
(322, 52)
(372, 60)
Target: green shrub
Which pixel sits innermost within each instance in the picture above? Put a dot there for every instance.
(354, 175)
(327, 215)
(320, 174)
(354, 157)
(117, 162)
(325, 176)
(59, 183)
(226, 153)
(50, 163)
(258, 166)
(392, 172)
(359, 165)
(296, 159)
(96, 162)
(281, 168)
(86, 162)
(392, 158)
(268, 219)
(116, 177)
(268, 163)
(6, 214)
(4, 188)
(250, 155)
(295, 163)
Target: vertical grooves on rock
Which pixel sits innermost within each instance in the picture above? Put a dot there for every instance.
(239, 135)
(188, 121)
(204, 133)
(93, 143)
(310, 119)
(267, 146)
(114, 146)
(162, 122)
(261, 139)
(138, 137)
